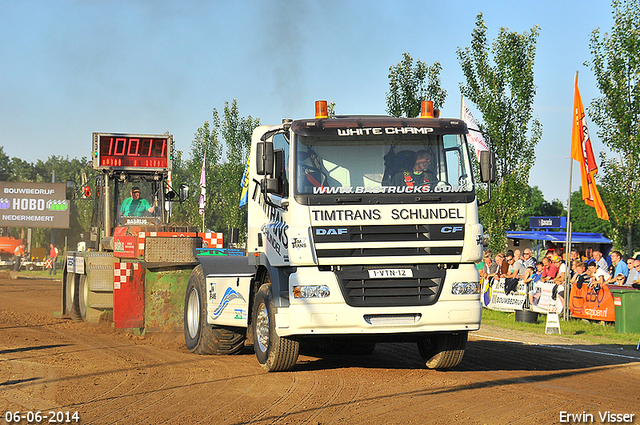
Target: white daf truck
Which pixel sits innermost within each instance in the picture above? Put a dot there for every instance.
(345, 246)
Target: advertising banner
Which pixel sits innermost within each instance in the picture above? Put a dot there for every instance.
(542, 297)
(34, 205)
(495, 298)
(592, 303)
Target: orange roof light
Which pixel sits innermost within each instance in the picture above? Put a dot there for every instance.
(321, 109)
(426, 109)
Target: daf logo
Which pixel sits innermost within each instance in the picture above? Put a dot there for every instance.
(330, 232)
(451, 229)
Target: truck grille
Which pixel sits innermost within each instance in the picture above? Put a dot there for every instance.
(352, 240)
(359, 290)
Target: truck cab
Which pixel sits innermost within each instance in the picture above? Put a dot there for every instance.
(362, 229)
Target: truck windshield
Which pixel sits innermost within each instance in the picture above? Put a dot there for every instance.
(138, 203)
(419, 164)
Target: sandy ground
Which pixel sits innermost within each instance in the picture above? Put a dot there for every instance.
(60, 367)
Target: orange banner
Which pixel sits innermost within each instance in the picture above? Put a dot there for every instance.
(582, 152)
(587, 303)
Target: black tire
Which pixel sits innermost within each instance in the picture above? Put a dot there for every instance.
(83, 296)
(443, 351)
(75, 312)
(31, 267)
(200, 337)
(69, 292)
(274, 353)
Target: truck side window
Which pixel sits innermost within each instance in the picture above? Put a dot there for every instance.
(281, 163)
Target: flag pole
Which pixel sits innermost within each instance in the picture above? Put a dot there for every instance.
(567, 288)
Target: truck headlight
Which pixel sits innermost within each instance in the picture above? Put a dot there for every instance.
(311, 291)
(465, 288)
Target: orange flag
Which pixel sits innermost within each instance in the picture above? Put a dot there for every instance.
(582, 152)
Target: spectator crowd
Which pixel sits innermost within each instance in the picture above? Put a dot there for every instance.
(588, 267)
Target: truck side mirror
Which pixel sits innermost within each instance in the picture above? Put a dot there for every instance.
(183, 190)
(488, 166)
(70, 190)
(264, 154)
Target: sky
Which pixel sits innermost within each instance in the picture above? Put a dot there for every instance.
(71, 68)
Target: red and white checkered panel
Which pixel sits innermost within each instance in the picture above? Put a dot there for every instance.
(213, 240)
(210, 239)
(121, 271)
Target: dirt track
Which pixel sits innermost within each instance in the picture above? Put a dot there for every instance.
(50, 364)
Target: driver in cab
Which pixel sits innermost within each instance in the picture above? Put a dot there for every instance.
(136, 207)
(419, 175)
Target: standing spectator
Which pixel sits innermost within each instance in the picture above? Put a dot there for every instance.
(619, 267)
(517, 256)
(538, 274)
(579, 276)
(634, 273)
(53, 254)
(550, 270)
(600, 261)
(598, 276)
(17, 257)
(489, 266)
(562, 270)
(528, 259)
(515, 271)
(630, 263)
(502, 267)
(588, 255)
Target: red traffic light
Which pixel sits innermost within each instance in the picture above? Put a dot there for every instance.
(86, 191)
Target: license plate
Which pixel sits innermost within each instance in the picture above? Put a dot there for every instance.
(394, 273)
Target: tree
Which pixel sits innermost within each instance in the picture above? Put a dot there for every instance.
(236, 132)
(409, 85)
(585, 219)
(503, 92)
(616, 65)
(226, 144)
(536, 206)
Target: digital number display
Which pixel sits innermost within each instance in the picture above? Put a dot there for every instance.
(129, 151)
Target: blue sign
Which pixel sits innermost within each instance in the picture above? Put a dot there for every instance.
(548, 222)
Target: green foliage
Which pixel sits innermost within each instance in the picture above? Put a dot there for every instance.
(503, 91)
(409, 85)
(16, 169)
(585, 219)
(227, 146)
(616, 65)
(536, 206)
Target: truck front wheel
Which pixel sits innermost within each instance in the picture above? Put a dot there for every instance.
(199, 336)
(274, 353)
(443, 351)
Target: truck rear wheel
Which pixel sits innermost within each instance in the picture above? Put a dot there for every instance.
(443, 351)
(274, 353)
(69, 293)
(83, 295)
(200, 337)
